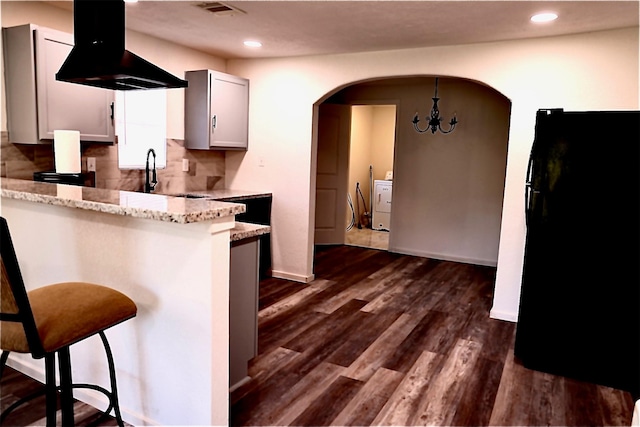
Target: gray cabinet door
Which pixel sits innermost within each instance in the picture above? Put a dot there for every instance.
(229, 111)
(216, 111)
(38, 104)
(63, 105)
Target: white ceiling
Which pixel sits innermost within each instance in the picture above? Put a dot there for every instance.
(293, 28)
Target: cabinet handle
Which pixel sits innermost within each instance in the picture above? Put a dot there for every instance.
(214, 122)
(112, 115)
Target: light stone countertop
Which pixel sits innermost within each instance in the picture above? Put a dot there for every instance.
(140, 205)
(245, 230)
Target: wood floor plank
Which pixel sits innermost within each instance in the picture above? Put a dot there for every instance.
(373, 358)
(581, 400)
(273, 290)
(436, 332)
(363, 408)
(547, 403)
(372, 286)
(615, 404)
(330, 329)
(514, 395)
(261, 370)
(311, 387)
(401, 406)
(327, 406)
(447, 385)
(478, 395)
(362, 335)
(268, 393)
(419, 277)
(292, 300)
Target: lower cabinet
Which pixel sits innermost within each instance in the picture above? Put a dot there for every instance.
(243, 307)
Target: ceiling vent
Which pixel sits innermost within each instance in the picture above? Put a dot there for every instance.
(220, 9)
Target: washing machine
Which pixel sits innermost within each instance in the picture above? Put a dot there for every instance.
(381, 214)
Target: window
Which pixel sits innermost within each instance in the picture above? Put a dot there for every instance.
(141, 124)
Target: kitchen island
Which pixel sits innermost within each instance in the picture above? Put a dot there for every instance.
(171, 256)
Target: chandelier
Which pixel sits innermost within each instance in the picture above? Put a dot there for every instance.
(434, 121)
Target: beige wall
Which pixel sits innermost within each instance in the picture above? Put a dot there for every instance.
(580, 72)
(360, 158)
(383, 139)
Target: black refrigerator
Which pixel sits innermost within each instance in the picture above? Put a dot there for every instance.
(579, 311)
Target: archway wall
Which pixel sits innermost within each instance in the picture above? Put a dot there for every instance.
(448, 189)
(592, 71)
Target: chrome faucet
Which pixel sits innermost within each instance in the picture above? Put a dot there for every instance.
(150, 186)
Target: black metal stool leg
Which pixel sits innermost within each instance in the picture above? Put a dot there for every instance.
(66, 390)
(3, 361)
(112, 375)
(50, 388)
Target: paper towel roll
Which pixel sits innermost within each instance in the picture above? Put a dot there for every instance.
(66, 148)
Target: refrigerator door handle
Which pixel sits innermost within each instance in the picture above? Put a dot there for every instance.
(528, 190)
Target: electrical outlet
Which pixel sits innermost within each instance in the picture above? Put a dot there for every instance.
(91, 164)
(185, 165)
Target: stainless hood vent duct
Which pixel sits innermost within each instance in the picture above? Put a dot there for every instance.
(99, 58)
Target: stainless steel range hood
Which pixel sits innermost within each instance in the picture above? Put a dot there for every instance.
(99, 57)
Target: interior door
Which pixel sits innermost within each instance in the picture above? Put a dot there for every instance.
(332, 180)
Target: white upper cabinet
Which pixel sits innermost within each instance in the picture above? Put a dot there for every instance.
(38, 104)
(216, 111)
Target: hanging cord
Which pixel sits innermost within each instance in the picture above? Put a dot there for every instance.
(358, 206)
(365, 215)
(353, 213)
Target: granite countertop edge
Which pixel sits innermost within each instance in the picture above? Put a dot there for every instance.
(245, 230)
(138, 205)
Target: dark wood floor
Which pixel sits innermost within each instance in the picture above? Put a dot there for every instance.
(15, 385)
(384, 339)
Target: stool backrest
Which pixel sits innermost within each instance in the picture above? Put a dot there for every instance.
(15, 305)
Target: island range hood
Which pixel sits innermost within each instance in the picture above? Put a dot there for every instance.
(99, 58)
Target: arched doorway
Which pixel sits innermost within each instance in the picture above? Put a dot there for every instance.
(447, 189)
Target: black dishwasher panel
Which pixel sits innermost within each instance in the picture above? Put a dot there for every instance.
(258, 211)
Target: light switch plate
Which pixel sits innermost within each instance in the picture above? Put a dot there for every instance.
(185, 165)
(91, 164)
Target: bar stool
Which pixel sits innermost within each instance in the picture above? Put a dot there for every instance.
(47, 321)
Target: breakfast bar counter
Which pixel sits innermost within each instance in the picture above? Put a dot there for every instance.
(171, 256)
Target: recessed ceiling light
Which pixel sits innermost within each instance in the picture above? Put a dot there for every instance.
(544, 17)
(252, 43)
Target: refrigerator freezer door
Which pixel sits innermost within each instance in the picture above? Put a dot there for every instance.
(581, 283)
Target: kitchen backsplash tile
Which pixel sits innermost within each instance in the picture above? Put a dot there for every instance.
(206, 168)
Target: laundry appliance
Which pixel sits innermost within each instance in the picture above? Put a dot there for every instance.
(382, 204)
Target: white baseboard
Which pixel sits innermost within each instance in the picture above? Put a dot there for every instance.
(445, 257)
(292, 277)
(239, 384)
(503, 315)
(94, 398)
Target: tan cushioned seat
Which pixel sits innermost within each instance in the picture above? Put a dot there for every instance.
(66, 313)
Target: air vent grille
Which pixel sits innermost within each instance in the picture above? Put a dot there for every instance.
(220, 9)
